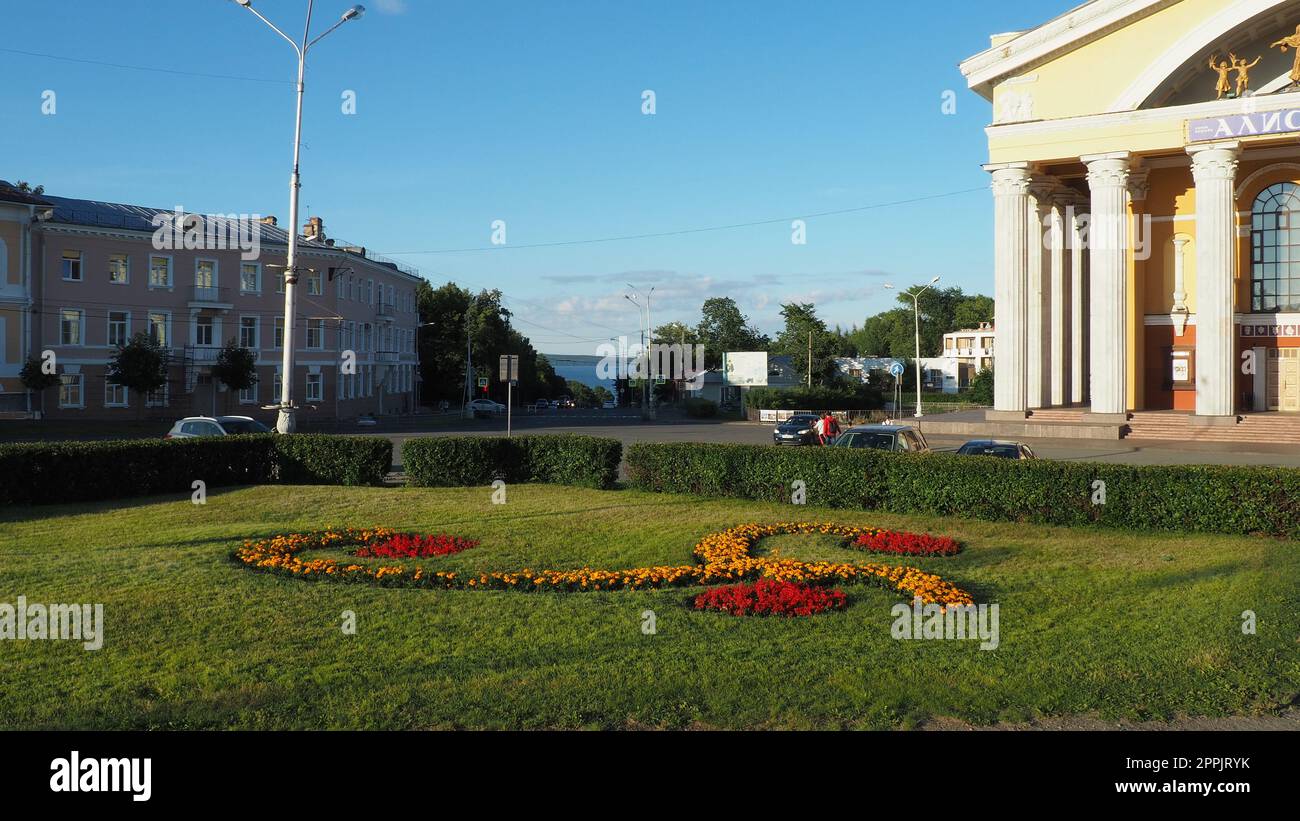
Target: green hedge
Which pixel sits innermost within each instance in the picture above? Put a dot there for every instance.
(59, 472)
(562, 459)
(700, 408)
(1137, 497)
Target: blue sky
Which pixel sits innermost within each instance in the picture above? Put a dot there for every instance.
(531, 113)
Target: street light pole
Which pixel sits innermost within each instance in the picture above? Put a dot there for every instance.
(285, 422)
(647, 343)
(915, 294)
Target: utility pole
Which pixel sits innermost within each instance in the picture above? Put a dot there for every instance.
(915, 294)
(469, 364)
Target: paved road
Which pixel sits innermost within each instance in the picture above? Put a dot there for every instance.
(629, 427)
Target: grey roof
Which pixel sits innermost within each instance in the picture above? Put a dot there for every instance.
(8, 193)
(99, 214)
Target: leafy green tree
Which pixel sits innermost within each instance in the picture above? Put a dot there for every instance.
(724, 328)
(235, 367)
(981, 388)
(37, 380)
(140, 365)
(802, 326)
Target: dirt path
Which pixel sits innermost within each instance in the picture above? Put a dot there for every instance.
(1287, 720)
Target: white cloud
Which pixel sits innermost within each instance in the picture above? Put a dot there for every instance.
(391, 6)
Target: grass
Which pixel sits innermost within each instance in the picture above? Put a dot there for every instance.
(1120, 625)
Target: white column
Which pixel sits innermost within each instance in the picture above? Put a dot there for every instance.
(1078, 310)
(1058, 370)
(1214, 168)
(1108, 267)
(1038, 367)
(1010, 253)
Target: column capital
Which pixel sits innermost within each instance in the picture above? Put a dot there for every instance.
(1215, 161)
(1108, 170)
(1138, 185)
(1010, 178)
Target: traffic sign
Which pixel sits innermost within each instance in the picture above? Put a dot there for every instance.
(482, 382)
(896, 369)
(509, 368)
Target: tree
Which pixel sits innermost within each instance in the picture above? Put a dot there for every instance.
(981, 388)
(140, 365)
(724, 328)
(37, 379)
(802, 326)
(26, 188)
(236, 368)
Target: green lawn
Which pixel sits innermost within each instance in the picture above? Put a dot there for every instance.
(1124, 626)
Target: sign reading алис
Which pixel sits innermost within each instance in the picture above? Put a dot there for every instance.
(1244, 125)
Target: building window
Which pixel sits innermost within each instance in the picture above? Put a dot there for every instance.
(160, 272)
(370, 292)
(203, 330)
(248, 396)
(119, 269)
(158, 329)
(276, 387)
(72, 266)
(114, 395)
(316, 334)
(1275, 249)
(314, 389)
(279, 335)
(279, 282)
(248, 332)
(250, 277)
(158, 398)
(313, 283)
(119, 328)
(70, 390)
(70, 326)
(205, 273)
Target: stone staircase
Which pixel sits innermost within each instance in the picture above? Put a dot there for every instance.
(1275, 429)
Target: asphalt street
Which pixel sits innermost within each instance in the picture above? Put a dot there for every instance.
(628, 427)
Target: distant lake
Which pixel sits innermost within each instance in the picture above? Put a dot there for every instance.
(580, 369)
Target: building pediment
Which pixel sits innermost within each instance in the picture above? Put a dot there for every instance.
(1125, 55)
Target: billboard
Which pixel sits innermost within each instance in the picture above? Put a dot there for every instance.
(744, 369)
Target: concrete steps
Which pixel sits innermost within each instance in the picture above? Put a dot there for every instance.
(1284, 430)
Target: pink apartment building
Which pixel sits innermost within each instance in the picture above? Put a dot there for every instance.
(79, 277)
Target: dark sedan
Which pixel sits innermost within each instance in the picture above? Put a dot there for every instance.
(993, 447)
(797, 430)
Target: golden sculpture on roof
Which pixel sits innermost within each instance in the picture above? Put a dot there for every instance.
(1224, 86)
(1291, 42)
(1243, 72)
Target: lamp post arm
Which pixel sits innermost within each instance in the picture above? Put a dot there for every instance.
(276, 29)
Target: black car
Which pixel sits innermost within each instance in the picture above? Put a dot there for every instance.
(797, 430)
(993, 447)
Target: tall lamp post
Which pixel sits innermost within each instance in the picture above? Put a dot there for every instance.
(285, 422)
(649, 339)
(915, 293)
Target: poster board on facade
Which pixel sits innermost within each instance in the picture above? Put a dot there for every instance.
(746, 369)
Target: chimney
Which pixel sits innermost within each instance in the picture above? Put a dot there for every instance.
(269, 220)
(314, 229)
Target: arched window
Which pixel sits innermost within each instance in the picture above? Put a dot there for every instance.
(1275, 249)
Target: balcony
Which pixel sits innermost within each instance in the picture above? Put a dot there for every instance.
(386, 356)
(208, 296)
(385, 312)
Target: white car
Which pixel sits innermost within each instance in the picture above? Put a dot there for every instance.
(486, 406)
(609, 404)
(192, 426)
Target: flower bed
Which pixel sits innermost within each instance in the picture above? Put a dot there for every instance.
(766, 597)
(721, 558)
(414, 546)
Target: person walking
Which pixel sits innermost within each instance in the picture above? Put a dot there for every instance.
(830, 428)
(819, 428)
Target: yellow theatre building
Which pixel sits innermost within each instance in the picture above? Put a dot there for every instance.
(1145, 163)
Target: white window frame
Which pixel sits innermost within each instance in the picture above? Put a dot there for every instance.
(315, 284)
(81, 268)
(319, 382)
(108, 327)
(81, 330)
(110, 389)
(216, 267)
(257, 331)
(277, 330)
(171, 274)
(248, 396)
(167, 330)
(79, 379)
(126, 260)
(214, 326)
(318, 325)
(257, 267)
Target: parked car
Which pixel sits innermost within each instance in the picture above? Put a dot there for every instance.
(478, 406)
(192, 426)
(998, 448)
(902, 438)
(797, 430)
(541, 405)
(366, 420)
(609, 404)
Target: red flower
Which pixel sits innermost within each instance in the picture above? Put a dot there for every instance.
(413, 546)
(907, 544)
(768, 597)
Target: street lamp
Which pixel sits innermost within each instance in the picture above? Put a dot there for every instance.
(647, 342)
(915, 293)
(285, 421)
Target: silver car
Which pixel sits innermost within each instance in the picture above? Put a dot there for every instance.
(900, 438)
(192, 426)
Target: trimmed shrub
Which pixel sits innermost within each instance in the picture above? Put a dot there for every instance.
(1215, 499)
(60, 472)
(462, 461)
(318, 459)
